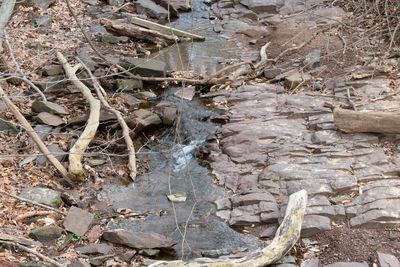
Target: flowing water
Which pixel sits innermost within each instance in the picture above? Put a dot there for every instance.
(173, 166)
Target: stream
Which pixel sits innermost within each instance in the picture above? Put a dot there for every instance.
(173, 166)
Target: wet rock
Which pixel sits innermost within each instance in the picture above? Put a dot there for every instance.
(145, 67)
(50, 107)
(224, 214)
(43, 4)
(42, 195)
(313, 59)
(142, 119)
(130, 100)
(112, 39)
(90, 2)
(129, 84)
(388, 260)
(186, 93)
(263, 6)
(49, 119)
(253, 198)
(80, 263)
(46, 233)
(77, 221)
(56, 151)
(223, 203)
(115, 2)
(166, 111)
(95, 249)
(52, 70)
(84, 55)
(272, 73)
(151, 9)
(138, 240)
(310, 263)
(43, 131)
(100, 260)
(7, 126)
(347, 264)
(43, 21)
(181, 5)
(295, 79)
(145, 95)
(128, 256)
(269, 232)
(149, 252)
(313, 224)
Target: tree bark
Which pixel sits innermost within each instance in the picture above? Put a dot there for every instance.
(75, 167)
(136, 32)
(285, 238)
(350, 121)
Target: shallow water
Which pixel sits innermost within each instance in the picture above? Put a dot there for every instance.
(203, 57)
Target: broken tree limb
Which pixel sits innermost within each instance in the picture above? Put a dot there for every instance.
(140, 33)
(35, 137)
(75, 167)
(350, 121)
(165, 29)
(125, 128)
(285, 238)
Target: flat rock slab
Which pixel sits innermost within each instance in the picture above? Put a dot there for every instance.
(42, 195)
(388, 260)
(281, 143)
(145, 67)
(56, 151)
(263, 6)
(95, 249)
(50, 107)
(49, 119)
(46, 233)
(151, 9)
(348, 264)
(77, 221)
(138, 240)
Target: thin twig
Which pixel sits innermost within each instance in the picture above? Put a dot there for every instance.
(31, 251)
(125, 128)
(18, 68)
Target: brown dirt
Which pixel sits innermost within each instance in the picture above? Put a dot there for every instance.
(345, 244)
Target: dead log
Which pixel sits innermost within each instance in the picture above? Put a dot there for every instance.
(350, 121)
(165, 29)
(285, 238)
(140, 33)
(75, 167)
(125, 129)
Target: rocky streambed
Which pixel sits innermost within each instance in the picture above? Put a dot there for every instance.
(217, 166)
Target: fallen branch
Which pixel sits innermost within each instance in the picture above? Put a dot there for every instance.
(75, 167)
(35, 137)
(32, 202)
(19, 239)
(165, 29)
(350, 121)
(140, 33)
(31, 251)
(285, 238)
(32, 214)
(125, 129)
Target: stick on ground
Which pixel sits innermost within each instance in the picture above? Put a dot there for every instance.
(35, 137)
(75, 167)
(125, 128)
